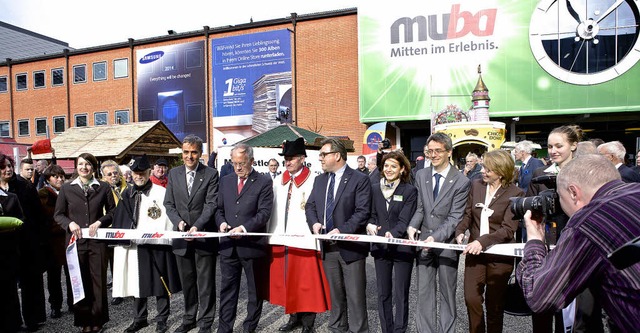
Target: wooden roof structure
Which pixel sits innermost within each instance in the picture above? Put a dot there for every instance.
(274, 137)
(115, 141)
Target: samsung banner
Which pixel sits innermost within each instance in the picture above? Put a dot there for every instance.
(171, 87)
(537, 57)
(251, 84)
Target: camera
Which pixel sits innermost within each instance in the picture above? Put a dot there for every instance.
(546, 203)
(386, 143)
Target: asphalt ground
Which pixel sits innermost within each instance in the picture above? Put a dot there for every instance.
(273, 316)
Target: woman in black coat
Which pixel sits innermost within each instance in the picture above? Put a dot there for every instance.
(10, 320)
(82, 203)
(394, 200)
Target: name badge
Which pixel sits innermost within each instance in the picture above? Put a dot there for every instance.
(397, 198)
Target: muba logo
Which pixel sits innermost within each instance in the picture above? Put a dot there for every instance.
(151, 57)
(456, 24)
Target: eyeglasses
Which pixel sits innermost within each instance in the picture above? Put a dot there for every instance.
(324, 154)
(436, 151)
(109, 174)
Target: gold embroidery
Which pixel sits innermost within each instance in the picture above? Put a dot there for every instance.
(304, 202)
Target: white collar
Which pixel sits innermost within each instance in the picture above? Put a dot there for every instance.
(78, 182)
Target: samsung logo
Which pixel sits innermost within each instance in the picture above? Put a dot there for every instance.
(151, 57)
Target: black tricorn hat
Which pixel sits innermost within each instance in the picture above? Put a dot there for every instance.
(140, 163)
(293, 148)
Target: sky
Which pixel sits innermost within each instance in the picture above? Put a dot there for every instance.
(86, 23)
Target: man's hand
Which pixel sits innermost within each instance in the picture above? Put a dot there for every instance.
(535, 227)
(428, 240)
(473, 248)
(333, 231)
(388, 234)
(372, 229)
(224, 227)
(460, 239)
(93, 228)
(236, 230)
(181, 225)
(411, 232)
(316, 228)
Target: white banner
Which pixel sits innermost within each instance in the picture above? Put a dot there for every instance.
(510, 249)
(74, 270)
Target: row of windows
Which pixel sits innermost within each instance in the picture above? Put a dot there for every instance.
(59, 123)
(120, 70)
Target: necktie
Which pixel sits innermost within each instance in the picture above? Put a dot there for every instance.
(273, 175)
(190, 177)
(328, 214)
(241, 184)
(521, 173)
(436, 188)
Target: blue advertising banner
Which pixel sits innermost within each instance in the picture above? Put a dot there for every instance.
(171, 87)
(251, 84)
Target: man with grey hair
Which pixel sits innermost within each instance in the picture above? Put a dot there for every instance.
(191, 202)
(245, 201)
(523, 150)
(614, 151)
(584, 148)
(603, 217)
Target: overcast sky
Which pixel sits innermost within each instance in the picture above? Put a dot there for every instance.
(85, 23)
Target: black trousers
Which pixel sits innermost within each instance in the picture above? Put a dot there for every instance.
(54, 285)
(163, 305)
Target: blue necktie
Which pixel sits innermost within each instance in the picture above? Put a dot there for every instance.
(328, 213)
(436, 188)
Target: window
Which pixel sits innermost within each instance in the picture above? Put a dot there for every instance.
(41, 126)
(23, 127)
(99, 71)
(81, 120)
(79, 74)
(120, 68)
(100, 118)
(21, 81)
(57, 77)
(3, 84)
(59, 124)
(122, 117)
(4, 129)
(38, 79)
(195, 113)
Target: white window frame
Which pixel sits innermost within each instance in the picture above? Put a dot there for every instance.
(26, 82)
(28, 128)
(53, 84)
(44, 79)
(8, 125)
(115, 68)
(64, 124)
(46, 124)
(74, 73)
(101, 113)
(93, 71)
(6, 81)
(118, 112)
(75, 119)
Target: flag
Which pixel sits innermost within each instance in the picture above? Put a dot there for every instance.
(374, 134)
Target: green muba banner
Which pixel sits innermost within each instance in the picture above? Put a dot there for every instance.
(537, 57)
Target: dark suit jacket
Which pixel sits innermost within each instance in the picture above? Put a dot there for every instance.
(395, 219)
(525, 174)
(628, 175)
(351, 212)
(501, 224)
(197, 209)
(251, 209)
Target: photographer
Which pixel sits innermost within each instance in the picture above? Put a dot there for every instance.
(562, 145)
(603, 218)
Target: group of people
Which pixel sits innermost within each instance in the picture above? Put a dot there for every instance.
(433, 202)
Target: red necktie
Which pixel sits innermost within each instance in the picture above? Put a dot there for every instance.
(241, 184)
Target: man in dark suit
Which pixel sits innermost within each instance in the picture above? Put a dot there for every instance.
(614, 151)
(523, 151)
(340, 202)
(443, 193)
(422, 163)
(245, 201)
(191, 202)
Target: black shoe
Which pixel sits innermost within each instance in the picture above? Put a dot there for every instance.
(307, 329)
(290, 326)
(161, 327)
(204, 330)
(117, 301)
(136, 326)
(184, 328)
(56, 313)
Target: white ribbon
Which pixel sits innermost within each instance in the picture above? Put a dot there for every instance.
(75, 275)
(509, 249)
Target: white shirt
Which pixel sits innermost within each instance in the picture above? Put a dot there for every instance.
(444, 174)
